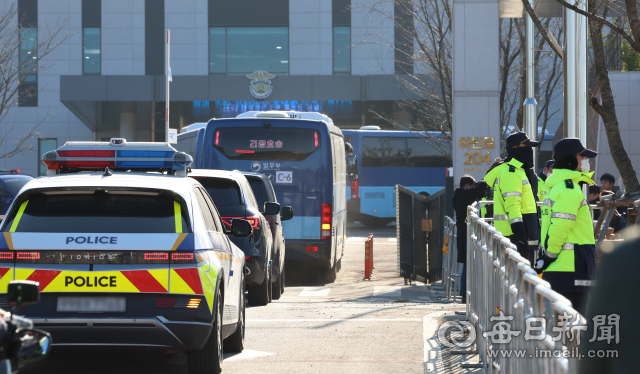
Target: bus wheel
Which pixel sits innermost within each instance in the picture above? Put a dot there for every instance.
(259, 295)
(330, 274)
(374, 222)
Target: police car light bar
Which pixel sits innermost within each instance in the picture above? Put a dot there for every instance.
(117, 155)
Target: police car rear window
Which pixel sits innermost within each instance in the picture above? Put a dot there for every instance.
(98, 212)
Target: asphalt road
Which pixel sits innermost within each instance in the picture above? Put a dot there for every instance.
(349, 326)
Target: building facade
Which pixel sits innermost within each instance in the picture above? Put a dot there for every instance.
(107, 77)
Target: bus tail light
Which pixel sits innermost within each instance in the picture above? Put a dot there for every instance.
(326, 222)
(311, 248)
(354, 189)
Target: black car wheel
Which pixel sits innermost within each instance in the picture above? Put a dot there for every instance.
(276, 287)
(208, 360)
(282, 280)
(261, 294)
(235, 342)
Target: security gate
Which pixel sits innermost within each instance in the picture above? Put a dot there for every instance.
(411, 209)
(436, 207)
(419, 252)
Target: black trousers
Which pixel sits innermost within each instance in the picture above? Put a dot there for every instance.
(578, 300)
(529, 254)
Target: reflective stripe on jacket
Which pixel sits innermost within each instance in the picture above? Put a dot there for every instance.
(566, 220)
(512, 195)
(543, 190)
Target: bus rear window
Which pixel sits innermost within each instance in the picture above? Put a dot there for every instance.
(98, 212)
(401, 152)
(259, 143)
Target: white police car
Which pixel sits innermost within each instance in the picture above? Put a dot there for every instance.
(127, 257)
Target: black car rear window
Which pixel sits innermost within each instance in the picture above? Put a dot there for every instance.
(223, 192)
(98, 212)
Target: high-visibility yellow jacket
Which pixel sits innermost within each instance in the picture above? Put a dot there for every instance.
(512, 197)
(542, 189)
(567, 232)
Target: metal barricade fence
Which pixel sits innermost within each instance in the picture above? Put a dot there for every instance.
(451, 269)
(503, 288)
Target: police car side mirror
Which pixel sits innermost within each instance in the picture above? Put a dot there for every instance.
(23, 292)
(241, 227)
(287, 213)
(271, 209)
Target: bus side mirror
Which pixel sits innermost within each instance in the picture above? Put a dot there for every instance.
(271, 208)
(287, 213)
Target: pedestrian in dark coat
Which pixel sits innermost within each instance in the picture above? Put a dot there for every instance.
(468, 193)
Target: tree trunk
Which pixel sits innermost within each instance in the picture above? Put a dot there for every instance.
(607, 109)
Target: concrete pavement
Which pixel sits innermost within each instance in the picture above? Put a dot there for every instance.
(349, 326)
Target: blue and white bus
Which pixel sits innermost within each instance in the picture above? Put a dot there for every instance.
(304, 156)
(387, 158)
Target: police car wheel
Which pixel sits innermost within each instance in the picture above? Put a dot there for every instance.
(235, 342)
(208, 360)
(276, 288)
(259, 295)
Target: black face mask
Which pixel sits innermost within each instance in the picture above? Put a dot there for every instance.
(522, 154)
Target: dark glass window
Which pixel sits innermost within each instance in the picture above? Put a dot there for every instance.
(206, 211)
(29, 53)
(16, 183)
(342, 50)
(98, 212)
(217, 50)
(223, 192)
(244, 50)
(258, 143)
(259, 191)
(91, 50)
(401, 152)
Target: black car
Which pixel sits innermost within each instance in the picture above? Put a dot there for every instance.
(232, 195)
(263, 191)
(10, 185)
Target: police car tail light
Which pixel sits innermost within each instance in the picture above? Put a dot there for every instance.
(171, 302)
(28, 255)
(354, 189)
(182, 257)
(6, 255)
(255, 221)
(160, 256)
(326, 221)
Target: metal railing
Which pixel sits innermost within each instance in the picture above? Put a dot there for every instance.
(451, 268)
(503, 288)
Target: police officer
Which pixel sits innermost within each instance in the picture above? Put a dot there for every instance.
(515, 186)
(567, 257)
(546, 172)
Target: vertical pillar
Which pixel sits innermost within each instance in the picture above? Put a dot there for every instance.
(476, 103)
(128, 121)
(569, 73)
(581, 73)
(530, 103)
